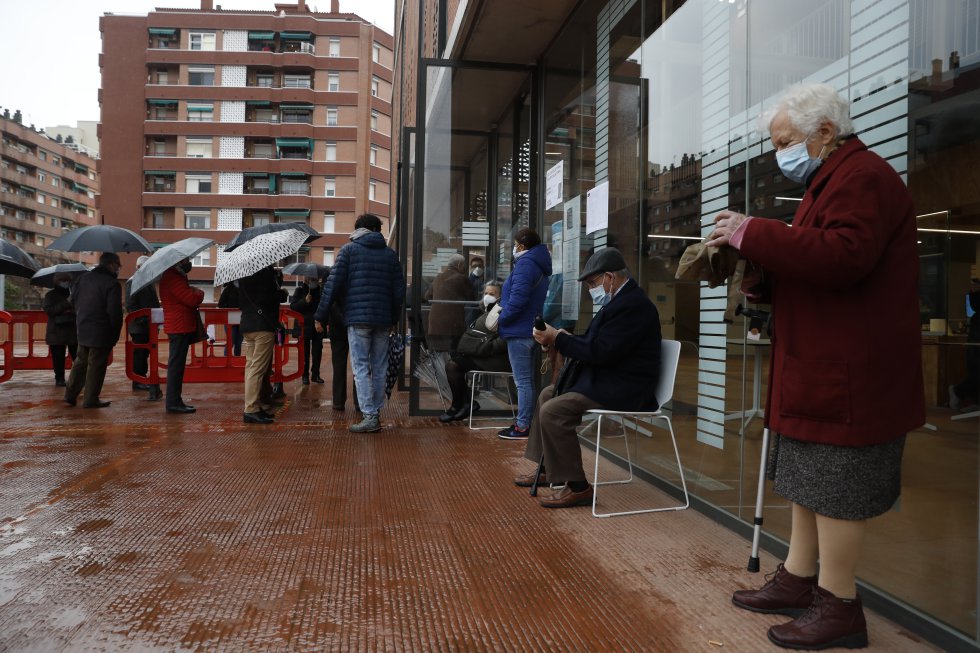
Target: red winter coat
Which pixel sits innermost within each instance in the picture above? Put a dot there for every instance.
(179, 301)
(847, 353)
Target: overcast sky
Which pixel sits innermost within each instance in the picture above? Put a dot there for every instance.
(49, 57)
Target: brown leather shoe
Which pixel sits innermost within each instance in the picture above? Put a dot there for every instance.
(783, 593)
(830, 622)
(527, 480)
(566, 498)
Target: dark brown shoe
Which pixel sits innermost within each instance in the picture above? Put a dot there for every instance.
(829, 622)
(783, 593)
(567, 497)
(527, 480)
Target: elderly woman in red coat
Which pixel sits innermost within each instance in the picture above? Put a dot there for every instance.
(846, 374)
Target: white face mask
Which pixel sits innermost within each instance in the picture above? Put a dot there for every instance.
(518, 254)
(599, 295)
(489, 299)
(477, 272)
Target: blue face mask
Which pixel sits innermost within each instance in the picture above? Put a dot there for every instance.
(796, 163)
(599, 295)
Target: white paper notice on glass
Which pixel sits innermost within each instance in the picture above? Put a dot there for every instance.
(597, 208)
(554, 182)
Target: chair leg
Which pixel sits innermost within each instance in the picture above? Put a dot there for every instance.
(476, 376)
(629, 460)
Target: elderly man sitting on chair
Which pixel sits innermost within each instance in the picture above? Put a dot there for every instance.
(618, 363)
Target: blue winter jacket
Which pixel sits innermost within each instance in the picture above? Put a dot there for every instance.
(366, 279)
(522, 296)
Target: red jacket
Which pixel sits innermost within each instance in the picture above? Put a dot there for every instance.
(847, 352)
(179, 301)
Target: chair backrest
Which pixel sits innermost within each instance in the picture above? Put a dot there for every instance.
(670, 356)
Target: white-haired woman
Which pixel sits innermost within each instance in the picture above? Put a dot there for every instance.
(846, 372)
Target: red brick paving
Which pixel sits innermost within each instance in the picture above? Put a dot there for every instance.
(128, 529)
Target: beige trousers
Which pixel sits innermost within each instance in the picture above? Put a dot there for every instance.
(257, 346)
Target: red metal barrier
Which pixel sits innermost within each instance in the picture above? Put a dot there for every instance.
(6, 346)
(23, 342)
(213, 362)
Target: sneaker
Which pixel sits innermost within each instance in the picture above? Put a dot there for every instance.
(513, 433)
(370, 424)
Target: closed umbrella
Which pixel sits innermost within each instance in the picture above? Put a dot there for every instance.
(45, 276)
(249, 233)
(165, 258)
(396, 354)
(308, 270)
(101, 238)
(258, 253)
(15, 261)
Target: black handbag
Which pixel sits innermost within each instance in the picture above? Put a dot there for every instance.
(476, 343)
(201, 333)
(567, 376)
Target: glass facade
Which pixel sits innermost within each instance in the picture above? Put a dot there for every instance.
(656, 103)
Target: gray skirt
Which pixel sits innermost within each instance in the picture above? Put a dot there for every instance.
(838, 482)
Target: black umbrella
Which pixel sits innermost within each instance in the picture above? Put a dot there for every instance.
(308, 270)
(15, 261)
(165, 258)
(101, 238)
(45, 276)
(251, 232)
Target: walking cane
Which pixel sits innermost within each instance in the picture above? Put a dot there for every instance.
(537, 475)
(760, 494)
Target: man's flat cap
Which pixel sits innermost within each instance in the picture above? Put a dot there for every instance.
(607, 259)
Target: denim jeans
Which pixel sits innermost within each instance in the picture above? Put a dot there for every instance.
(521, 353)
(369, 358)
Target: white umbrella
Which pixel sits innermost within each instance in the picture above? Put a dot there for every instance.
(258, 253)
(165, 258)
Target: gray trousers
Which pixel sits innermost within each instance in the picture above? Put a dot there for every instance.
(553, 433)
(88, 374)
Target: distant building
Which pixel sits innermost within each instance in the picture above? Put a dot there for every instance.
(83, 137)
(214, 120)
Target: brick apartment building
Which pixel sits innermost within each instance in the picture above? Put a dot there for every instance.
(46, 188)
(214, 120)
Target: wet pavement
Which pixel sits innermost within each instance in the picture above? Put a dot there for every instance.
(129, 529)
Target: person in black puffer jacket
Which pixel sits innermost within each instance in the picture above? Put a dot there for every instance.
(367, 278)
(305, 299)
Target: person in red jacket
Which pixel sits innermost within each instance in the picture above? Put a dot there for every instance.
(846, 373)
(179, 301)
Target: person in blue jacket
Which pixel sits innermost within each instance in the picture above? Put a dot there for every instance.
(367, 280)
(618, 366)
(522, 300)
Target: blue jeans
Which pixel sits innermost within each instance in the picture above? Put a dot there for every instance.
(369, 358)
(521, 354)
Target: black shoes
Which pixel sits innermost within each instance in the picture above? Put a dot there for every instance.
(257, 418)
(140, 386)
(306, 380)
(181, 409)
(60, 383)
(456, 414)
(317, 379)
(155, 393)
(70, 401)
(97, 404)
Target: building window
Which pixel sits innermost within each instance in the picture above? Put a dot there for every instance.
(41, 176)
(39, 240)
(42, 198)
(376, 53)
(202, 40)
(197, 183)
(203, 259)
(297, 114)
(330, 188)
(328, 255)
(200, 112)
(295, 186)
(373, 156)
(260, 219)
(334, 50)
(55, 182)
(375, 86)
(331, 151)
(263, 151)
(41, 154)
(197, 219)
(156, 220)
(264, 81)
(296, 81)
(372, 190)
(55, 203)
(374, 120)
(199, 148)
(333, 82)
(200, 75)
(329, 222)
(332, 116)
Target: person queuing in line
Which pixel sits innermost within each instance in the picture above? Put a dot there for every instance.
(367, 278)
(477, 274)
(304, 301)
(229, 299)
(97, 299)
(478, 349)
(618, 359)
(274, 392)
(260, 298)
(339, 353)
(449, 289)
(60, 333)
(842, 395)
(180, 302)
(522, 300)
(139, 331)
